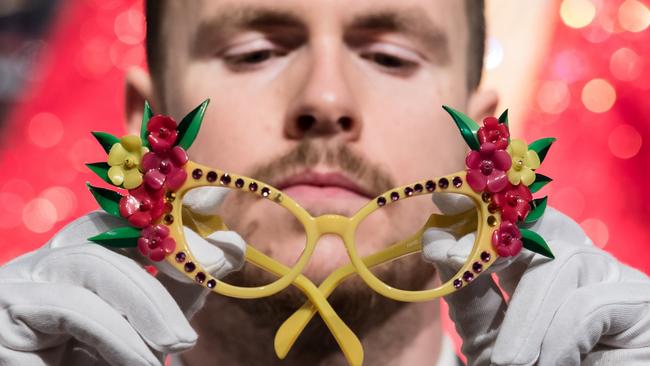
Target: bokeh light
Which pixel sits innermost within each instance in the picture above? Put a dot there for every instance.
(577, 13)
(45, 130)
(625, 64)
(633, 16)
(553, 97)
(625, 141)
(39, 215)
(598, 95)
(596, 230)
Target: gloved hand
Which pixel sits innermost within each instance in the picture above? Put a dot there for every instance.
(582, 308)
(76, 303)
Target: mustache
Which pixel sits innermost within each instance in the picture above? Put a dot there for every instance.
(309, 153)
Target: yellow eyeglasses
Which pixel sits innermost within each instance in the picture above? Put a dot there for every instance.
(497, 181)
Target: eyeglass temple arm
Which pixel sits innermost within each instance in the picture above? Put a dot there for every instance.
(347, 340)
(291, 329)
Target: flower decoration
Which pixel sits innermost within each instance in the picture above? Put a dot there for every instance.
(155, 242)
(505, 169)
(507, 239)
(524, 161)
(165, 167)
(494, 132)
(162, 133)
(149, 177)
(142, 206)
(514, 202)
(487, 168)
(124, 160)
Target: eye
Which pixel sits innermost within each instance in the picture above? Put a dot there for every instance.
(388, 61)
(254, 57)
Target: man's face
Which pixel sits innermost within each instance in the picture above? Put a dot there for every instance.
(334, 102)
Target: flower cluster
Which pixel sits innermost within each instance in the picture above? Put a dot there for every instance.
(505, 169)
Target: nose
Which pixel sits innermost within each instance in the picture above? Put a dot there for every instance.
(324, 104)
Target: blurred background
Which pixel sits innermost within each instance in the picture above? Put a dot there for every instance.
(574, 69)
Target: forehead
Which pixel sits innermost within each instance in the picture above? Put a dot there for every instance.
(448, 16)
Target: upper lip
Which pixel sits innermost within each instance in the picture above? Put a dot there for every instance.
(323, 179)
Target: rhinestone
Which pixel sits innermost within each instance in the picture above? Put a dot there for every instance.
(486, 197)
(457, 182)
(180, 257)
(430, 186)
(468, 276)
(266, 191)
(200, 277)
(492, 207)
(170, 196)
(190, 267)
(225, 179)
(239, 183)
(211, 176)
(197, 173)
(252, 187)
(485, 257)
(408, 191)
(394, 196)
(381, 201)
(211, 283)
(168, 219)
(477, 267)
(418, 188)
(443, 183)
(458, 283)
(491, 220)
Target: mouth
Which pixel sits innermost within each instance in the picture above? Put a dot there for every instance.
(314, 185)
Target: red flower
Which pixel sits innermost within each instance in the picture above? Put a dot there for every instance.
(487, 168)
(165, 168)
(507, 239)
(514, 202)
(162, 133)
(494, 132)
(142, 206)
(155, 242)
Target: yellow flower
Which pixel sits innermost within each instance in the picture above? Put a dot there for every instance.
(524, 161)
(124, 158)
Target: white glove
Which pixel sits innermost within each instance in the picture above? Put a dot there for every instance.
(77, 303)
(582, 308)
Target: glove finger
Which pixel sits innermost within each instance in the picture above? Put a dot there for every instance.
(220, 253)
(478, 309)
(124, 285)
(606, 356)
(46, 357)
(452, 203)
(205, 200)
(609, 314)
(41, 318)
(543, 287)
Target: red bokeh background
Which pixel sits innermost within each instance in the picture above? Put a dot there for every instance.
(592, 93)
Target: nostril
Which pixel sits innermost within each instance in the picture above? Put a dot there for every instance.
(305, 122)
(345, 122)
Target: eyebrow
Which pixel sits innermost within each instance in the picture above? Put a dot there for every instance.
(411, 22)
(232, 18)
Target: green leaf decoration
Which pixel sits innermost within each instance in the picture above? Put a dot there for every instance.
(101, 169)
(503, 118)
(106, 140)
(121, 237)
(146, 116)
(540, 181)
(190, 125)
(537, 208)
(535, 243)
(541, 146)
(467, 127)
(107, 199)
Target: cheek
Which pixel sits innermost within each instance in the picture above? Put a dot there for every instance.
(242, 124)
